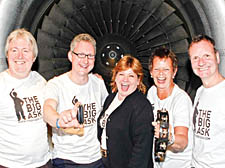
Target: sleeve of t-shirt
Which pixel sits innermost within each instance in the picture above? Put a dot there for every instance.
(182, 111)
(104, 92)
(51, 90)
(151, 94)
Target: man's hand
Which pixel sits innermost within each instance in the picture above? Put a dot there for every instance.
(98, 76)
(68, 118)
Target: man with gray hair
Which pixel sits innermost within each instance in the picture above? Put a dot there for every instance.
(23, 133)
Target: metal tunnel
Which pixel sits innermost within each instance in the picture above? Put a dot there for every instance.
(136, 27)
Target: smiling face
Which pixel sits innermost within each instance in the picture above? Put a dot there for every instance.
(82, 66)
(204, 60)
(162, 73)
(20, 57)
(126, 82)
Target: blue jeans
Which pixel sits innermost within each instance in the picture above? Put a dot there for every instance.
(63, 163)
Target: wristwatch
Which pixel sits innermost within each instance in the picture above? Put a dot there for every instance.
(172, 140)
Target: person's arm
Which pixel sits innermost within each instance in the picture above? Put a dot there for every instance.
(180, 139)
(66, 119)
(181, 115)
(50, 113)
(99, 76)
(142, 138)
(11, 94)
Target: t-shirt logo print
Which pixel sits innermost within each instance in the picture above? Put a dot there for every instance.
(90, 112)
(75, 100)
(202, 122)
(195, 115)
(18, 103)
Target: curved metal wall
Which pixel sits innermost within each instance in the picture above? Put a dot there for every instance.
(212, 15)
(215, 13)
(8, 9)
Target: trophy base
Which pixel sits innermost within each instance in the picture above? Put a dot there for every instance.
(73, 131)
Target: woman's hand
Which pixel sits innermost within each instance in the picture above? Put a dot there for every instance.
(179, 138)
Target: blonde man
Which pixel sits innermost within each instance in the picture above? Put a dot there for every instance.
(209, 114)
(63, 95)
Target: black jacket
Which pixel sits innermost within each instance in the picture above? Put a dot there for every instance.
(130, 132)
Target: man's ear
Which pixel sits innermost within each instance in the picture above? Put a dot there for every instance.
(218, 57)
(33, 58)
(70, 56)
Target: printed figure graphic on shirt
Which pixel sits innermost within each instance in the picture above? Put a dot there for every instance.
(195, 116)
(75, 100)
(31, 104)
(18, 105)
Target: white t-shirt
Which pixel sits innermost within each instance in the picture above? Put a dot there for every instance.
(23, 139)
(80, 149)
(209, 134)
(103, 121)
(179, 106)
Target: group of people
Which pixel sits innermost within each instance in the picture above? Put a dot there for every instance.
(119, 128)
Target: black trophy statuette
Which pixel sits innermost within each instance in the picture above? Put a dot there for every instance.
(80, 114)
(162, 142)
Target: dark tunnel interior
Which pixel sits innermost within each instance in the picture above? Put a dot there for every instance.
(120, 27)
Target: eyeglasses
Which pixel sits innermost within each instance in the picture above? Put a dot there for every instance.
(82, 55)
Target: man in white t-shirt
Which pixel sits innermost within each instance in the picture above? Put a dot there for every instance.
(209, 113)
(23, 133)
(63, 95)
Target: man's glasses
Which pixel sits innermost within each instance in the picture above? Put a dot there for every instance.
(82, 55)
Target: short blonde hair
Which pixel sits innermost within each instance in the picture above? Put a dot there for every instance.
(82, 37)
(125, 63)
(24, 34)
